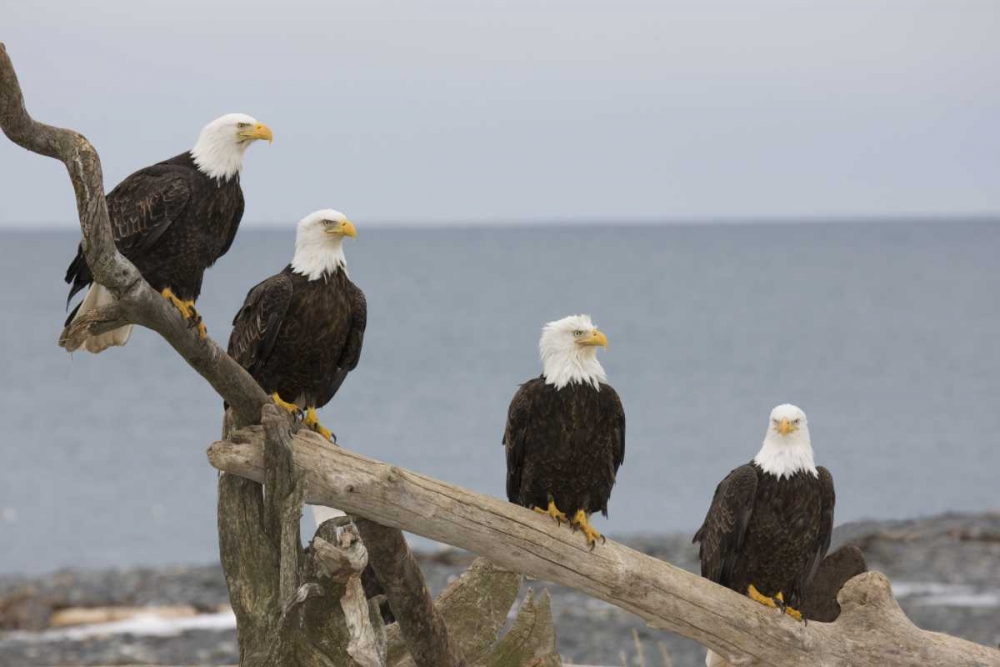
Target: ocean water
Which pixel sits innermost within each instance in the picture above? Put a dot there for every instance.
(885, 333)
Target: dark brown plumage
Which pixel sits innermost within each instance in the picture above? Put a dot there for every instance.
(172, 221)
(300, 338)
(767, 531)
(819, 600)
(565, 445)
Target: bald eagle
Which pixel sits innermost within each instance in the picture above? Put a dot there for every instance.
(173, 220)
(299, 333)
(565, 435)
(770, 521)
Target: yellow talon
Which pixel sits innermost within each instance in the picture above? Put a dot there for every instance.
(580, 520)
(794, 613)
(312, 421)
(187, 311)
(553, 512)
(757, 596)
(290, 408)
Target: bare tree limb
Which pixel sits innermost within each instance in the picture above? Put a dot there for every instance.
(422, 625)
(138, 303)
(363, 646)
(871, 630)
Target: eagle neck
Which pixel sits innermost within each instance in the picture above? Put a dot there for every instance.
(784, 456)
(217, 157)
(319, 260)
(563, 367)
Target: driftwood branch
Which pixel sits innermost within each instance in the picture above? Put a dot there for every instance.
(139, 304)
(474, 606)
(871, 630)
(421, 623)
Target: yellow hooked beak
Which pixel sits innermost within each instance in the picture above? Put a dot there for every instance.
(595, 337)
(258, 131)
(345, 228)
(785, 426)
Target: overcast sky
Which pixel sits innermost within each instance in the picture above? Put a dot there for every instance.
(466, 111)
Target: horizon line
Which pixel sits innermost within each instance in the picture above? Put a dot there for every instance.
(635, 221)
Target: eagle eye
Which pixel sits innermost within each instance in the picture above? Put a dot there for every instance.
(577, 332)
(242, 126)
(796, 421)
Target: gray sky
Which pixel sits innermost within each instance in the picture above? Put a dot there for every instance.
(464, 111)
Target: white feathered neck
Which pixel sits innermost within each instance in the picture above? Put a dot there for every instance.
(785, 455)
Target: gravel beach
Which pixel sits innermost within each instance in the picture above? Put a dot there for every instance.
(945, 572)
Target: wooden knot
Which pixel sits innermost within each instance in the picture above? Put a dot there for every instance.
(869, 589)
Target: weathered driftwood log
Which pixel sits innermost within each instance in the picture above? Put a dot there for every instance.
(293, 608)
(475, 608)
(530, 641)
(137, 302)
(871, 630)
(421, 623)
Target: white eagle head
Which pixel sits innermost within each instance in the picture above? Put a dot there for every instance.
(319, 243)
(787, 448)
(221, 144)
(568, 348)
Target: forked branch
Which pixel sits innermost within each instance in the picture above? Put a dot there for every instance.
(138, 303)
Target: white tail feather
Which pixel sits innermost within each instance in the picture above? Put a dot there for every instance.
(97, 297)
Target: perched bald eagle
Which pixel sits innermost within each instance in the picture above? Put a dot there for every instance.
(770, 521)
(300, 332)
(565, 436)
(173, 220)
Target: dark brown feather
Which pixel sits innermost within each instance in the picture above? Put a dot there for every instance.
(173, 222)
(301, 337)
(766, 531)
(565, 443)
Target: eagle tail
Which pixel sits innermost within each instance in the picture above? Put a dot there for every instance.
(97, 297)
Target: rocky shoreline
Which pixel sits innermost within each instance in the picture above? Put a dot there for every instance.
(945, 572)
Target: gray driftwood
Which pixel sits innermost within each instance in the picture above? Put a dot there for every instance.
(139, 304)
(293, 607)
(475, 608)
(871, 630)
(416, 615)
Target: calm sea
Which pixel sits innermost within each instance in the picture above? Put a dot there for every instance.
(885, 333)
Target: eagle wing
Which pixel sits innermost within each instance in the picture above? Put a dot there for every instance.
(351, 354)
(723, 533)
(144, 205)
(828, 498)
(141, 209)
(516, 435)
(256, 325)
(619, 431)
(234, 223)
